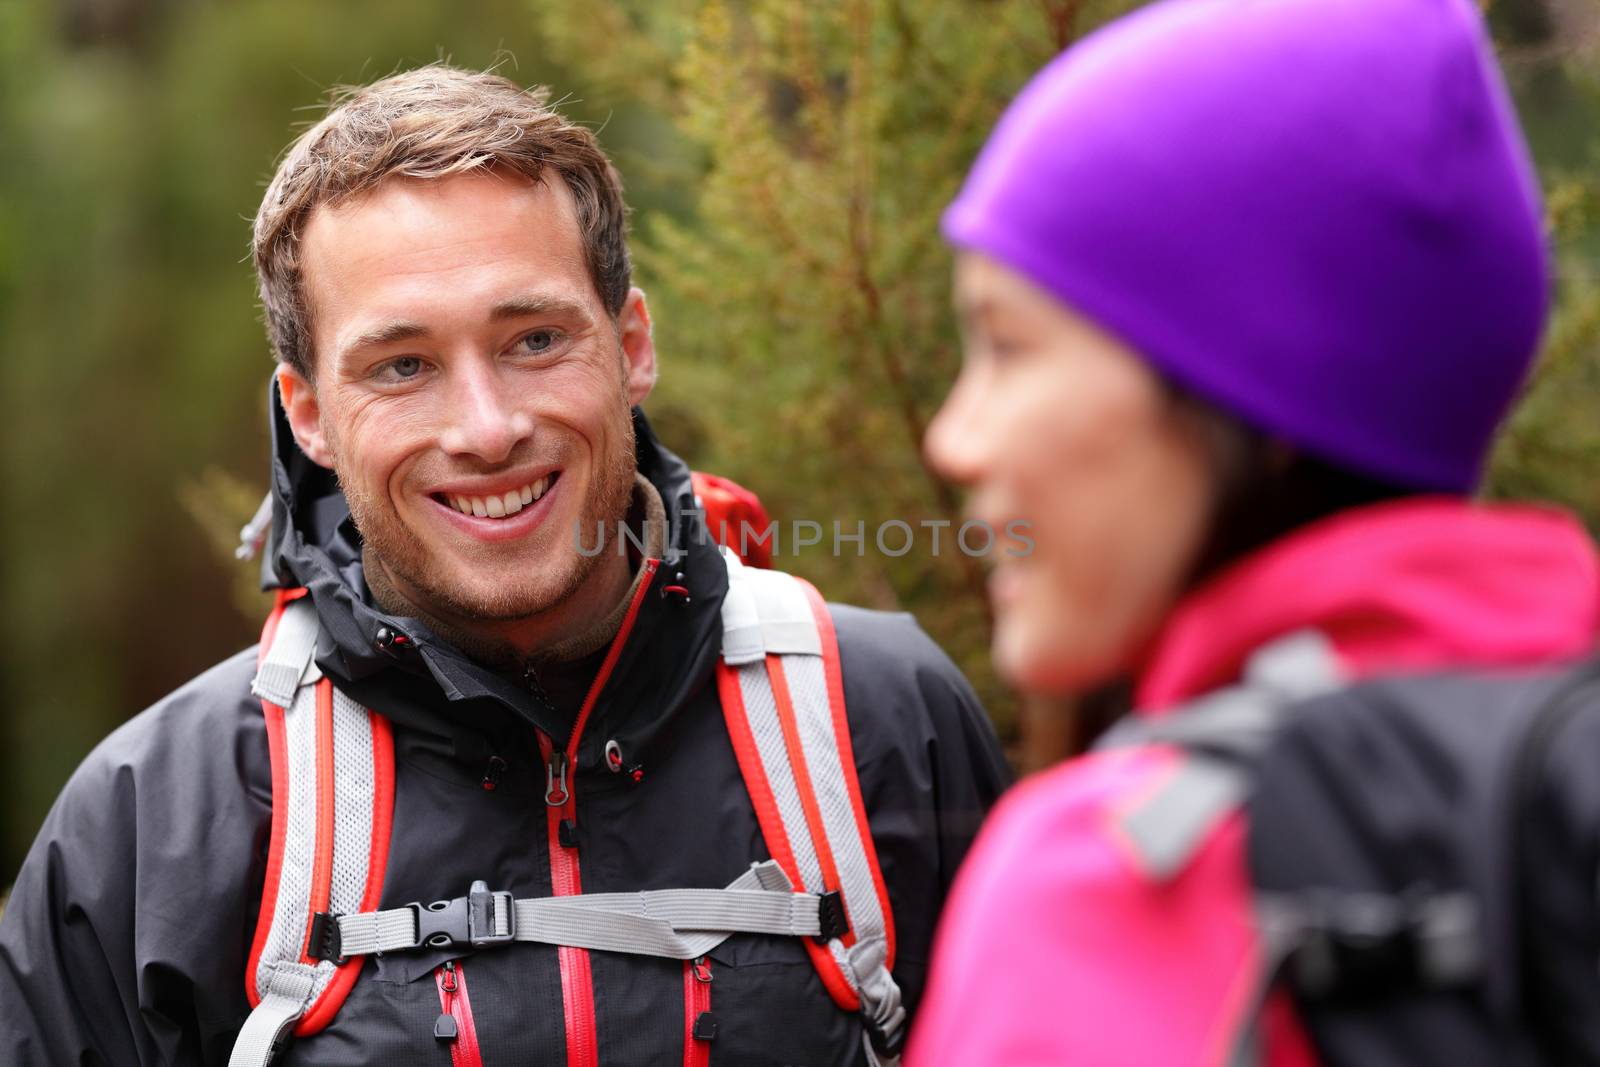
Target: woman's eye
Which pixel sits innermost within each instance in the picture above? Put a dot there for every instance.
(1002, 350)
(539, 341)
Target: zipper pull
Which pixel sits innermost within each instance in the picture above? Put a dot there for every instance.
(445, 1027)
(493, 773)
(555, 781)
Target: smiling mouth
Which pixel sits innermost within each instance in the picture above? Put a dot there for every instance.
(501, 505)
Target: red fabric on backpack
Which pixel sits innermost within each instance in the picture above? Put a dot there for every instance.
(734, 516)
(1055, 948)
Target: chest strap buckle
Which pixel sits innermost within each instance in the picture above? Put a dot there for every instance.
(479, 919)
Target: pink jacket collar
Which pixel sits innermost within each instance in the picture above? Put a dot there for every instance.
(1417, 584)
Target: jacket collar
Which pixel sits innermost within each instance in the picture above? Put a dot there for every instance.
(670, 649)
(1418, 584)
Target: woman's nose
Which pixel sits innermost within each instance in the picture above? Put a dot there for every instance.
(955, 443)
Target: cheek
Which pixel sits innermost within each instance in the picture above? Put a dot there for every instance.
(586, 394)
(372, 438)
(592, 402)
(1119, 509)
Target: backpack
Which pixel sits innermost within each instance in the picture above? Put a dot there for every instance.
(1423, 853)
(333, 795)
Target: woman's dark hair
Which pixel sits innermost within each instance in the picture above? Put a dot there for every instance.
(1265, 488)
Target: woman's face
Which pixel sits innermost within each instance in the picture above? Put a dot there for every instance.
(1057, 423)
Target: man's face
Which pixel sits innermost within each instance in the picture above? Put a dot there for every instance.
(471, 392)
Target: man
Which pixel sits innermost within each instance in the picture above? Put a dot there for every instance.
(446, 284)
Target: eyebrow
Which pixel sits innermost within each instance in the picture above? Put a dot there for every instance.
(517, 307)
(973, 310)
(388, 333)
(525, 306)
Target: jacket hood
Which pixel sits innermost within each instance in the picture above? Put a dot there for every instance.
(1419, 584)
(425, 682)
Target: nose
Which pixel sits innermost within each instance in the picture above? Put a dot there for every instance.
(485, 419)
(955, 443)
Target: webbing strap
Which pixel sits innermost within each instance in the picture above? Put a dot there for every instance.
(1167, 825)
(678, 924)
(371, 932)
(1222, 733)
(759, 618)
(292, 649)
(1236, 722)
(880, 999)
(783, 698)
(287, 992)
(332, 809)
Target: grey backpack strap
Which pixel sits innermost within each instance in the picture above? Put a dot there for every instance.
(1221, 734)
(333, 798)
(682, 924)
(288, 991)
(290, 656)
(783, 700)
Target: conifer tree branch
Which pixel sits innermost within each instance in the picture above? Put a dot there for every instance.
(1062, 17)
(876, 333)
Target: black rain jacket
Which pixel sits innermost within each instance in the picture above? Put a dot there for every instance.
(126, 936)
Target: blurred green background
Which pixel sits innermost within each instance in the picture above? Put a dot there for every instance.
(786, 162)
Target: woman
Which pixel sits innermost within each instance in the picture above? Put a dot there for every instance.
(1246, 287)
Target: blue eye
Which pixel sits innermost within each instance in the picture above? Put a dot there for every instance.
(539, 341)
(406, 367)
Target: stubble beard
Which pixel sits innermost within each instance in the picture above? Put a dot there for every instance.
(409, 564)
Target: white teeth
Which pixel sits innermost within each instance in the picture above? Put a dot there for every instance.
(497, 507)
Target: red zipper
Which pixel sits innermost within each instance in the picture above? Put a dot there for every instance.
(561, 809)
(455, 1019)
(699, 1025)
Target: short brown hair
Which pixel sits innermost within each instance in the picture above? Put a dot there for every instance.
(429, 123)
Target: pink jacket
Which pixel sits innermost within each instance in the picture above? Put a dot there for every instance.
(1054, 949)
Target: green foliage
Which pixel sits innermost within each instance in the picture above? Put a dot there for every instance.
(1551, 447)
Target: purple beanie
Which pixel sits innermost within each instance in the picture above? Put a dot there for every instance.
(1318, 215)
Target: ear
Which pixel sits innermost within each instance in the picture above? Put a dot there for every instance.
(305, 415)
(638, 347)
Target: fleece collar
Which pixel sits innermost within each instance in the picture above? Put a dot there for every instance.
(1419, 584)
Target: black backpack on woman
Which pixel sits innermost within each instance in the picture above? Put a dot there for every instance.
(1424, 850)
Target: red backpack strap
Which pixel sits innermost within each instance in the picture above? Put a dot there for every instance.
(332, 810)
(734, 516)
(783, 700)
